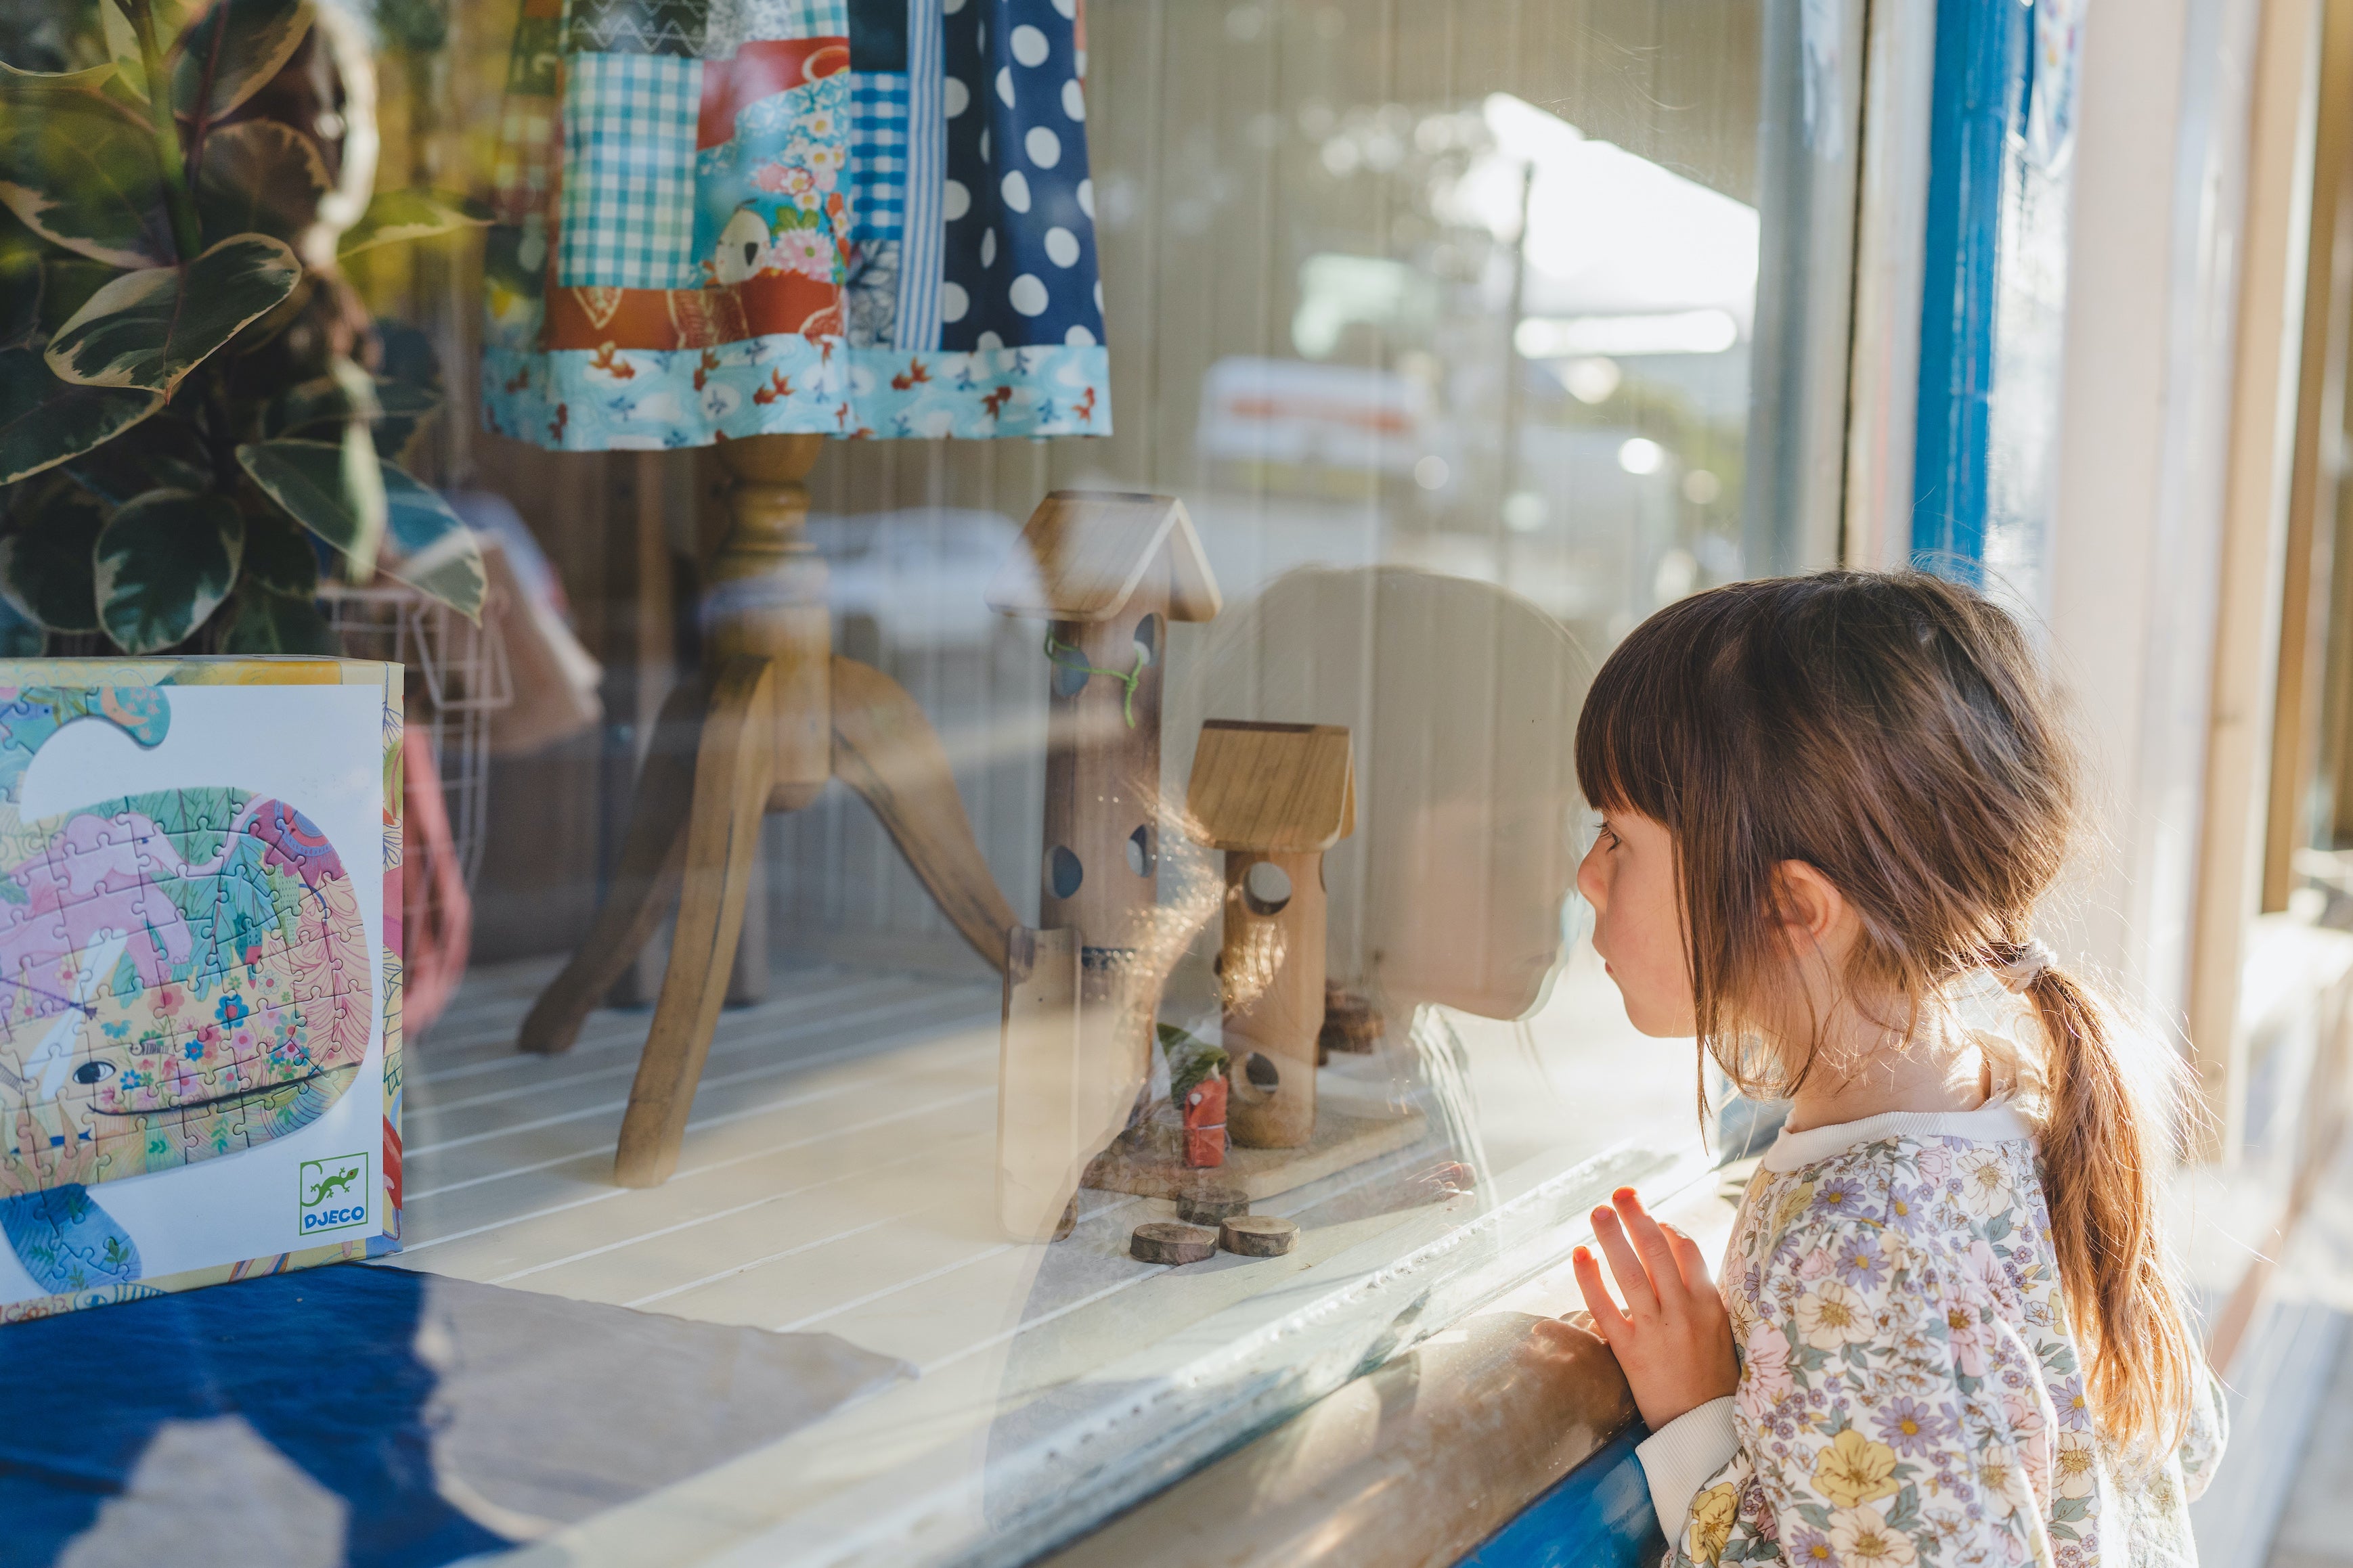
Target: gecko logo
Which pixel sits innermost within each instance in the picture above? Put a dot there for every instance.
(333, 1193)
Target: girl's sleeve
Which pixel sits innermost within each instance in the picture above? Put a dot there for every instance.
(1683, 1458)
(1885, 1415)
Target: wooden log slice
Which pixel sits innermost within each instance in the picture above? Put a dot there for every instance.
(1161, 1241)
(1258, 1236)
(1212, 1206)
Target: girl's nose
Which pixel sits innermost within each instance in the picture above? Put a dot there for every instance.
(1590, 883)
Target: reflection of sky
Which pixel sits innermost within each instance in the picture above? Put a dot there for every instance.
(1609, 234)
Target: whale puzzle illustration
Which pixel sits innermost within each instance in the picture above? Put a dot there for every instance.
(184, 975)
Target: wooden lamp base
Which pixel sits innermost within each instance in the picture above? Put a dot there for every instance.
(776, 714)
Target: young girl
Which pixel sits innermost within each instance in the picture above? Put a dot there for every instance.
(1948, 1333)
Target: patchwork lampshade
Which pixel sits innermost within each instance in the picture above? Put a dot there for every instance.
(721, 218)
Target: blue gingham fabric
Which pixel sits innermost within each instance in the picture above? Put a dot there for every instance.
(878, 154)
(628, 172)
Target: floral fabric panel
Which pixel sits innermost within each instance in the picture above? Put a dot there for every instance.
(721, 218)
(1910, 1396)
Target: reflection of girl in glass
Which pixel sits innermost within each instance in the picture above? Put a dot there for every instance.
(1455, 693)
(1947, 1332)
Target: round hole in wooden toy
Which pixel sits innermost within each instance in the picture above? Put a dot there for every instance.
(1262, 1073)
(1070, 677)
(1147, 640)
(1143, 854)
(1063, 872)
(1266, 888)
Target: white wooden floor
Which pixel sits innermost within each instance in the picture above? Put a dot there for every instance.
(837, 1176)
(838, 1173)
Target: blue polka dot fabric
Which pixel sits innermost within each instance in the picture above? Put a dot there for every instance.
(1019, 268)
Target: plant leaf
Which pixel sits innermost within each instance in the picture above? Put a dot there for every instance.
(345, 392)
(20, 636)
(168, 454)
(20, 280)
(45, 421)
(396, 217)
(395, 411)
(21, 84)
(47, 569)
(436, 552)
(337, 490)
(280, 556)
(67, 283)
(150, 327)
(407, 407)
(267, 623)
(81, 172)
(122, 43)
(165, 563)
(230, 54)
(260, 176)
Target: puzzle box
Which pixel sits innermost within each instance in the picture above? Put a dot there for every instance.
(199, 972)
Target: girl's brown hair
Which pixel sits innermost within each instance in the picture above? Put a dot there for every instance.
(1895, 731)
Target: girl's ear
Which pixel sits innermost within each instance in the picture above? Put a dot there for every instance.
(1813, 913)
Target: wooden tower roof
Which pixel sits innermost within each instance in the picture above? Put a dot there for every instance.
(1085, 554)
(1279, 787)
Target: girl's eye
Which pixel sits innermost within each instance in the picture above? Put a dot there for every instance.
(91, 1072)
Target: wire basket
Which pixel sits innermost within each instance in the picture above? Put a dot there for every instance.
(457, 677)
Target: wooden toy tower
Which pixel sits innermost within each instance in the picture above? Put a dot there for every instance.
(1107, 573)
(1274, 797)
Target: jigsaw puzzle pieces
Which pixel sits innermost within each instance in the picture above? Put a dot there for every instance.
(184, 975)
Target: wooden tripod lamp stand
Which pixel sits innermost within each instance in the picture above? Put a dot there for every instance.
(775, 716)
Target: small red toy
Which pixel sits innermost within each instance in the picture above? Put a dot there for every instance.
(1205, 1122)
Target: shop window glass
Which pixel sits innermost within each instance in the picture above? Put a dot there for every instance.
(1466, 334)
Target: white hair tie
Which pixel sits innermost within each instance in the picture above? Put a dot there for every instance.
(2027, 963)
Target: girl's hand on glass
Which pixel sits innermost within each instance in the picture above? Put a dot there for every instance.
(1673, 1338)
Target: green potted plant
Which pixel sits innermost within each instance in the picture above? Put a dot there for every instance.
(192, 420)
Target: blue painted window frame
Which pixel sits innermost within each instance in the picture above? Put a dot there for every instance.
(1992, 306)
(1596, 1516)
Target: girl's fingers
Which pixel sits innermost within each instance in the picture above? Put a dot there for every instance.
(1634, 1280)
(1690, 1261)
(1606, 1319)
(1664, 1269)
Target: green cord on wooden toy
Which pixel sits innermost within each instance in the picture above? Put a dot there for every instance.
(1055, 649)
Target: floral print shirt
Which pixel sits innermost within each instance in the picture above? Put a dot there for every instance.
(1910, 1396)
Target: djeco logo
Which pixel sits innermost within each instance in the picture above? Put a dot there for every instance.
(334, 1193)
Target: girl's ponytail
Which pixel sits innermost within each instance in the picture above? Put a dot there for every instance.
(2103, 1149)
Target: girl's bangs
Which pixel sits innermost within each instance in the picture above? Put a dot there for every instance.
(1635, 737)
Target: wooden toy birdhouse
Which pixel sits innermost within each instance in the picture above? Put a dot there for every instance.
(1107, 571)
(1274, 797)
